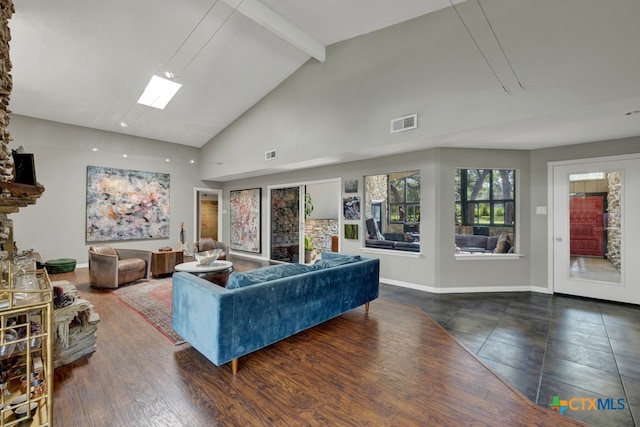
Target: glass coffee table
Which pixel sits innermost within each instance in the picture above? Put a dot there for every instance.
(216, 272)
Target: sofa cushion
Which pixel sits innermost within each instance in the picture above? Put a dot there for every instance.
(265, 274)
(471, 241)
(334, 262)
(380, 244)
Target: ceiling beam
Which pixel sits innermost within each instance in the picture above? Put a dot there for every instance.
(288, 31)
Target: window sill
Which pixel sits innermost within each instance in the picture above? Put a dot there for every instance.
(486, 256)
(407, 254)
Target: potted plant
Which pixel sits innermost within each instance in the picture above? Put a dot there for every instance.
(308, 240)
(308, 205)
(308, 249)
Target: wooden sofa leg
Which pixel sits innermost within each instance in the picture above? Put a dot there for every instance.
(234, 366)
(366, 307)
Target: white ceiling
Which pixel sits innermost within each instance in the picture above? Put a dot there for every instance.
(86, 63)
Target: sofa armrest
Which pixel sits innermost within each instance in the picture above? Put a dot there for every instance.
(199, 308)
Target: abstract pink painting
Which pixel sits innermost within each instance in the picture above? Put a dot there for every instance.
(126, 205)
(245, 220)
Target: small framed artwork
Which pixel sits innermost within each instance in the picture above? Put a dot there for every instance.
(351, 186)
(351, 207)
(351, 231)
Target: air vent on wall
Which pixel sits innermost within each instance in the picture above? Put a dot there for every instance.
(404, 123)
(270, 155)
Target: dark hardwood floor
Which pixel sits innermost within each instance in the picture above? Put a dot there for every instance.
(394, 366)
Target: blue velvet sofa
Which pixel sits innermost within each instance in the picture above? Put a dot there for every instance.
(260, 307)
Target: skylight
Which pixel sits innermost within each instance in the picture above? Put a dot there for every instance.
(159, 92)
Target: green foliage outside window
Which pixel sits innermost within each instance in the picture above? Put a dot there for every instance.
(485, 197)
(404, 199)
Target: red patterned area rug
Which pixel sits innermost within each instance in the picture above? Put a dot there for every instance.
(152, 300)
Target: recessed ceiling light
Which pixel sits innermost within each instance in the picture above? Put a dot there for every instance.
(159, 92)
(192, 161)
(124, 155)
(123, 124)
(631, 113)
(167, 160)
(94, 149)
(169, 74)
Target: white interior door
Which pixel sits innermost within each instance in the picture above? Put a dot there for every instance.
(591, 260)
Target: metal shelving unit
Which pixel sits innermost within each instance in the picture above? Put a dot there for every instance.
(26, 349)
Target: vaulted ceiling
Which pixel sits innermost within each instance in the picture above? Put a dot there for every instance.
(86, 63)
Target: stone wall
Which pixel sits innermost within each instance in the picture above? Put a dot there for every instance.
(614, 218)
(321, 230)
(6, 85)
(284, 224)
(375, 188)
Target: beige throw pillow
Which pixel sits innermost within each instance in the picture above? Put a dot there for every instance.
(504, 244)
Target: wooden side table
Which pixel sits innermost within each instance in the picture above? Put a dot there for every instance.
(164, 262)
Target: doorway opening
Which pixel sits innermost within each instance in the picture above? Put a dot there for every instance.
(304, 220)
(592, 224)
(207, 214)
(594, 244)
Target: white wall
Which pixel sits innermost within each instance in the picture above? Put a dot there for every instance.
(437, 269)
(469, 274)
(323, 197)
(327, 111)
(55, 225)
(437, 211)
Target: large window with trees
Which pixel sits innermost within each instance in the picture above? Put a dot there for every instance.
(404, 199)
(485, 206)
(485, 197)
(392, 211)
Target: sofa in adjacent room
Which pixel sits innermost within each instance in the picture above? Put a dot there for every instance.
(489, 244)
(266, 305)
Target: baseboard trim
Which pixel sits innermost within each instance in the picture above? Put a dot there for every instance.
(248, 256)
(464, 289)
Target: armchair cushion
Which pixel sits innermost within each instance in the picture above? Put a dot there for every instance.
(110, 267)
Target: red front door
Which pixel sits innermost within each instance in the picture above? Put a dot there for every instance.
(587, 225)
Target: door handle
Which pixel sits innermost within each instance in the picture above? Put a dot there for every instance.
(558, 239)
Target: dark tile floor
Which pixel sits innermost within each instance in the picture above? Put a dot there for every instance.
(548, 346)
